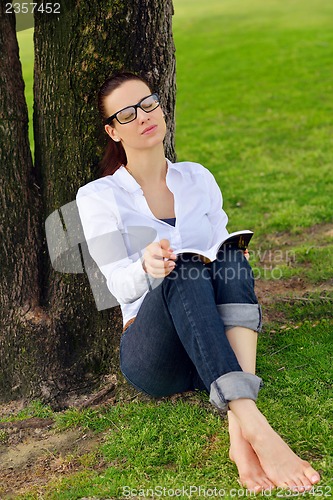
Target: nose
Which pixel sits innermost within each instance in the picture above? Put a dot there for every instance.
(142, 116)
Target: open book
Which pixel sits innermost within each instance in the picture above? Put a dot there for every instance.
(239, 239)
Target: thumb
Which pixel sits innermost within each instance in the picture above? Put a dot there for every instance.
(165, 244)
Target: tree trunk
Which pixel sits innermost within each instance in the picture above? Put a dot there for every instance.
(20, 316)
(63, 343)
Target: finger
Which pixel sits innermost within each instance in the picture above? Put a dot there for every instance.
(167, 251)
(158, 264)
(165, 244)
(159, 253)
(159, 268)
(155, 250)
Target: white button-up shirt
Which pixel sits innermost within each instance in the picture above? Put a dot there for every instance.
(118, 224)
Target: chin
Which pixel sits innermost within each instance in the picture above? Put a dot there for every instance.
(156, 138)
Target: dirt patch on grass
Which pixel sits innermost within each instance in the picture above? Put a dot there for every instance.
(271, 293)
(33, 455)
(317, 234)
(280, 251)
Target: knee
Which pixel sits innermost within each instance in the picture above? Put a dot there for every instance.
(232, 266)
(233, 278)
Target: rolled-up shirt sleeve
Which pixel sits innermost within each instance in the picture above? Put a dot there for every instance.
(125, 276)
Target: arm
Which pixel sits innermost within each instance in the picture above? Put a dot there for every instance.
(125, 276)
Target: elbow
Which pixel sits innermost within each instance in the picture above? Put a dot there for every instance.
(123, 294)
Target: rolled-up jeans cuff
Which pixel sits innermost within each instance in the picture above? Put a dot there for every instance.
(246, 315)
(234, 385)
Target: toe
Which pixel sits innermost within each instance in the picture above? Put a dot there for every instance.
(292, 485)
(300, 487)
(252, 485)
(269, 485)
(262, 484)
(305, 483)
(257, 489)
(311, 474)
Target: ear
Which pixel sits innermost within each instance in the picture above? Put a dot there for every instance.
(111, 131)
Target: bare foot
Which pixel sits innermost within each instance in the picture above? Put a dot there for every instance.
(251, 474)
(279, 462)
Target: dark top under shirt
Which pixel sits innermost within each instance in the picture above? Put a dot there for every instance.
(171, 221)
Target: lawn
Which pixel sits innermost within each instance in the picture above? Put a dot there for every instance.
(254, 105)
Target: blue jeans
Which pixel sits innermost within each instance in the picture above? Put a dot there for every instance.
(178, 342)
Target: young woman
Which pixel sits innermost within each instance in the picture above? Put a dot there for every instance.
(187, 324)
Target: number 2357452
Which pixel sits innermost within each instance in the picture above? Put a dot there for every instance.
(31, 7)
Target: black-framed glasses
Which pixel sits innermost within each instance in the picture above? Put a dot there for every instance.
(128, 114)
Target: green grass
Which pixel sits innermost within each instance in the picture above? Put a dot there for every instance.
(184, 443)
(254, 85)
(254, 106)
(305, 261)
(34, 409)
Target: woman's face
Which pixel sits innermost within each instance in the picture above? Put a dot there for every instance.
(147, 130)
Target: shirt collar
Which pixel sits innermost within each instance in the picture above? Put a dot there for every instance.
(125, 180)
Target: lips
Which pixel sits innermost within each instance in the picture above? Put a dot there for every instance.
(149, 129)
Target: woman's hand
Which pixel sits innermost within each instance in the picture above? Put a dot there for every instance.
(158, 259)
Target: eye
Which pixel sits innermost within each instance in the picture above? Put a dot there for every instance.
(150, 103)
(126, 114)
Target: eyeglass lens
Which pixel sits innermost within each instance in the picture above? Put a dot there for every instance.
(147, 104)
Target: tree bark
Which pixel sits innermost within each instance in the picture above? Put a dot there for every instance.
(63, 343)
(20, 315)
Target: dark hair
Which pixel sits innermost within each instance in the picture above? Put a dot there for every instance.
(114, 154)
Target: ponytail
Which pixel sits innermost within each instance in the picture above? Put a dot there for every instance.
(114, 157)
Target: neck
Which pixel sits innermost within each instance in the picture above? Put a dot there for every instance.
(147, 167)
